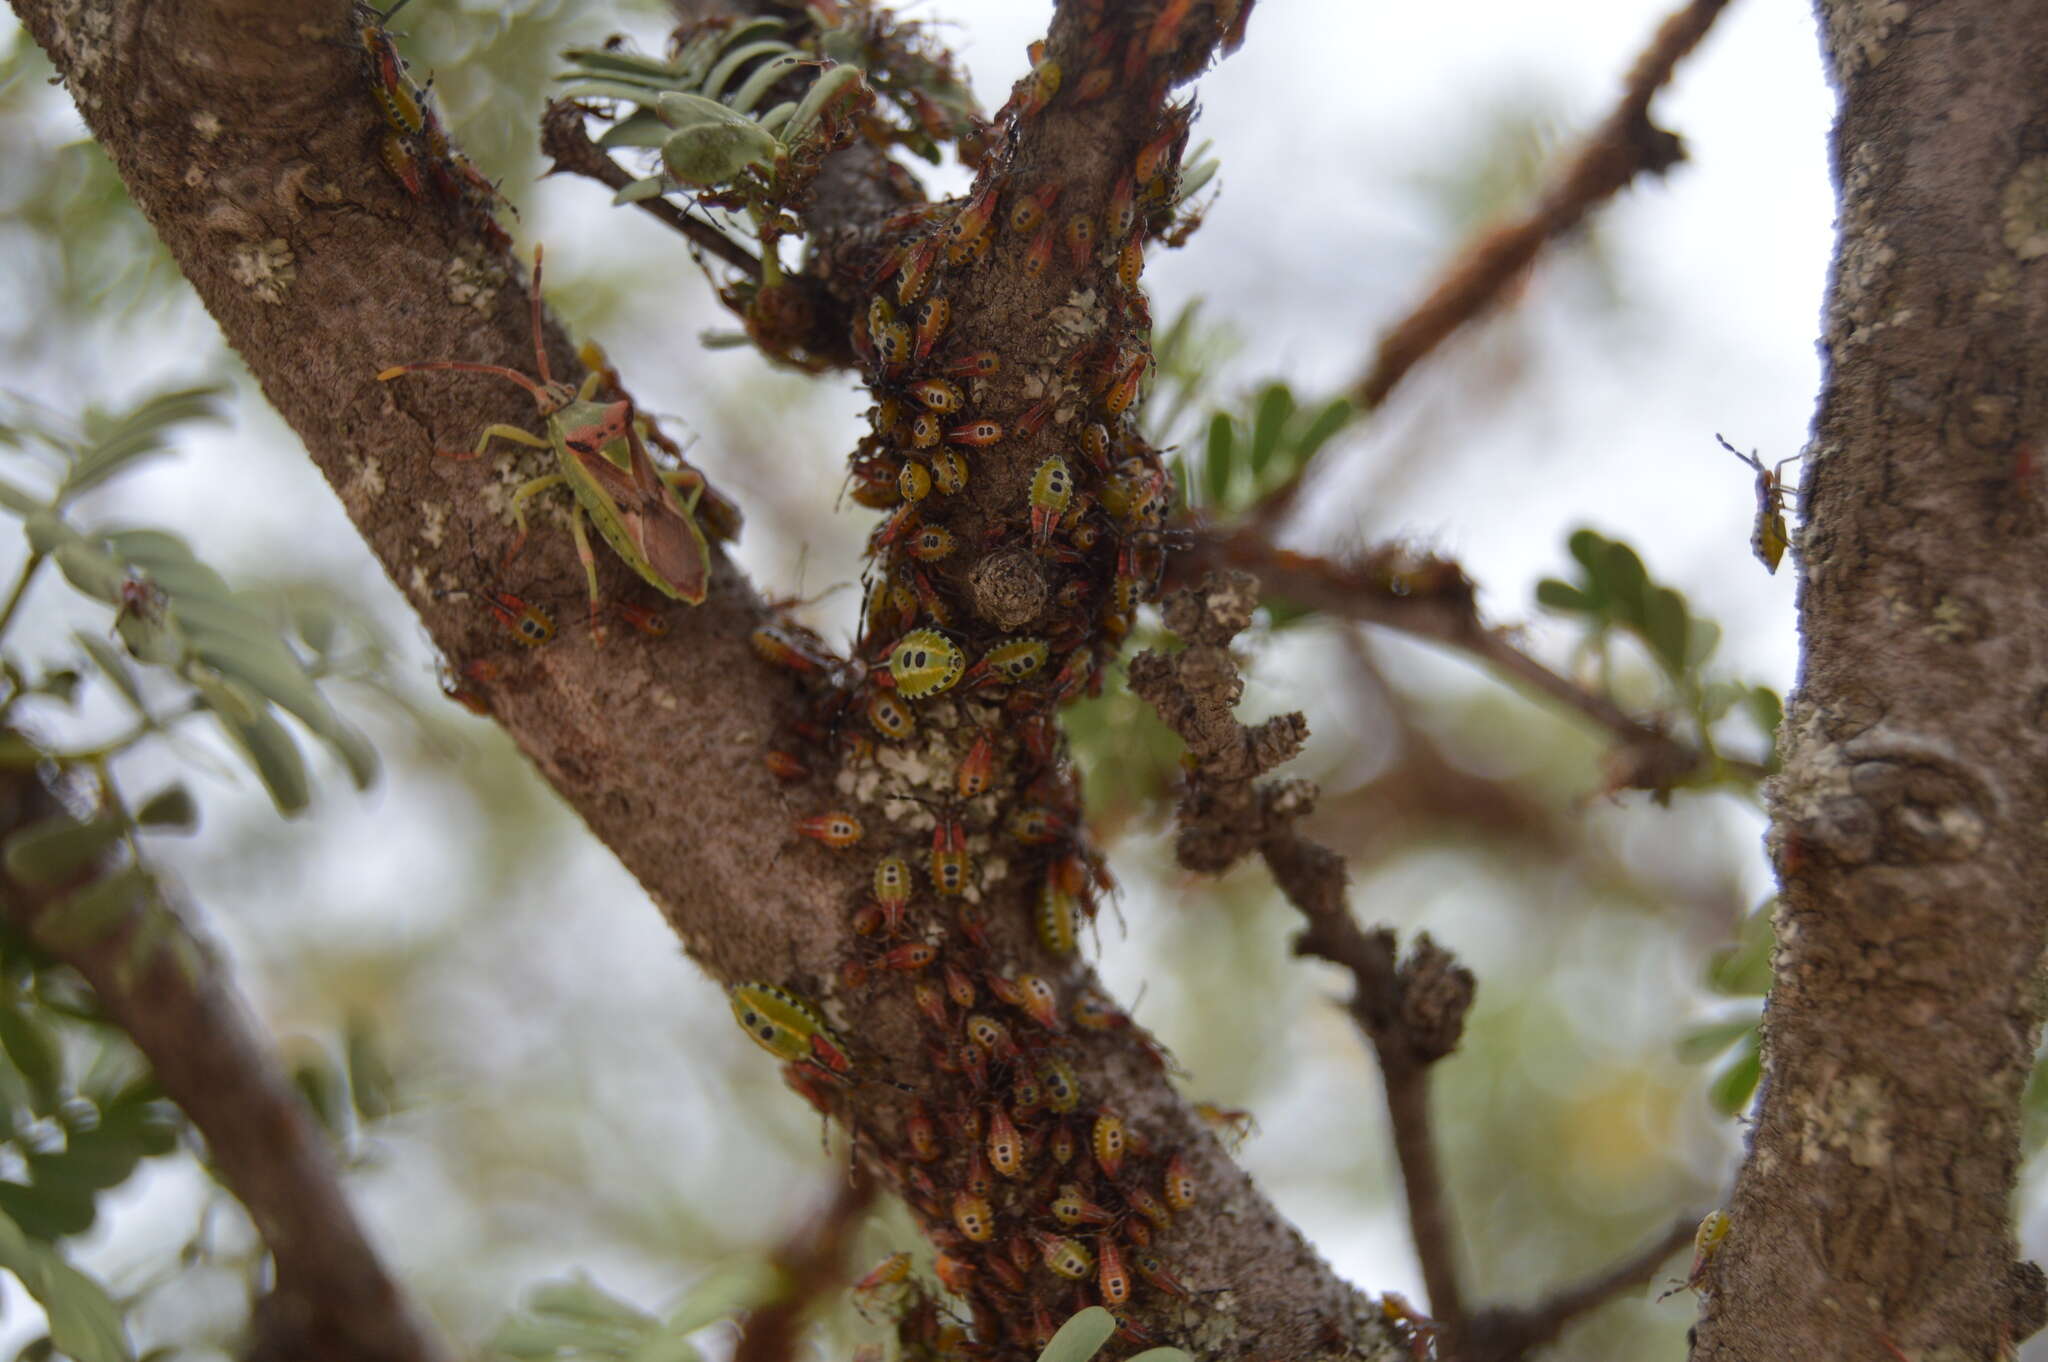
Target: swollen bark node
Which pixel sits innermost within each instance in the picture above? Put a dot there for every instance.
(252, 139)
(1910, 826)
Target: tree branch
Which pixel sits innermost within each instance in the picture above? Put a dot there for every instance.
(812, 1262)
(251, 146)
(1509, 1333)
(1412, 1013)
(1428, 597)
(1625, 145)
(332, 1300)
(1910, 820)
(563, 140)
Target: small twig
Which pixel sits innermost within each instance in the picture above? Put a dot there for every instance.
(1508, 1334)
(813, 1262)
(1625, 145)
(1429, 597)
(562, 137)
(332, 1299)
(1411, 1011)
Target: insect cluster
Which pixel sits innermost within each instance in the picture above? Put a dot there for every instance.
(412, 143)
(1023, 527)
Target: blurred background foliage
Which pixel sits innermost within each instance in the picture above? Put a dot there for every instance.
(527, 1080)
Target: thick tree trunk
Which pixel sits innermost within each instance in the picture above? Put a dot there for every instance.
(1910, 826)
(247, 135)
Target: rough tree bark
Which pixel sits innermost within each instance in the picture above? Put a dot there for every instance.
(1910, 825)
(244, 132)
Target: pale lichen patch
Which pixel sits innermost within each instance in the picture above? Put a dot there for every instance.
(366, 479)
(470, 283)
(2023, 210)
(1998, 285)
(434, 523)
(265, 269)
(1865, 28)
(207, 124)
(1854, 1119)
(1953, 621)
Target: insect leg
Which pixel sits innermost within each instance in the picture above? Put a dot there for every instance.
(589, 561)
(519, 500)
(500, 432)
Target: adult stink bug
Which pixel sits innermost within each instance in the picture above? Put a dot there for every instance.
(925, 662)
(1767, 540)
(1009, 662)
(785, 1026)
(600, 456)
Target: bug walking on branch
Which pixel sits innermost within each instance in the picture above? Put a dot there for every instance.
(1769, 537)
(600, 456)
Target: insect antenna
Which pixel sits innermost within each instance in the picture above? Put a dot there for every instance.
(540, 354)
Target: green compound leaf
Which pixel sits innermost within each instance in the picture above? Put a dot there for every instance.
(113, 666)
(85, 918)
(56, 848)
(32, 1050)
(139, 434)
(1625, 578)
(1553, 594)
(85, 1324)
(1667, 628)
(1743, 970)
(1702, 1043)
(1219, 462)
(1270, 415)
(1737, 1084)
(97, 574)
(1081, 1337)
(271, 753)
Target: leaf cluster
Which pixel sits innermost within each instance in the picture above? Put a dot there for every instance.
(1613, 595)
(702, 110)
(173, 614)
